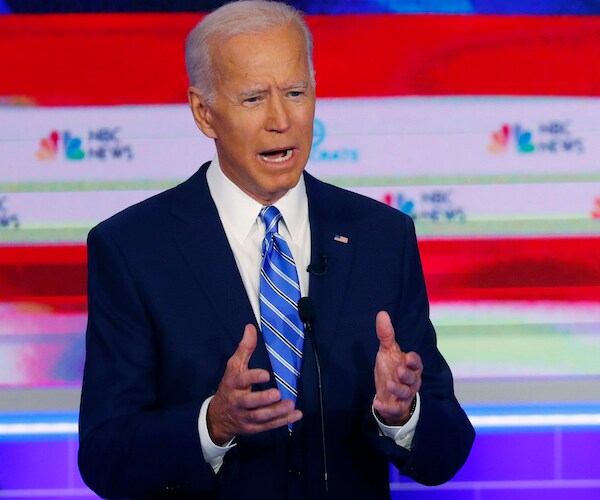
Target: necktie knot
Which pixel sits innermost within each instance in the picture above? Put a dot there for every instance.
(271, 217)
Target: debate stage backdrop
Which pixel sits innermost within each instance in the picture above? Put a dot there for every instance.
(479, 119)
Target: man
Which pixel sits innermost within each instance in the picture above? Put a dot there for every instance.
(185, 391)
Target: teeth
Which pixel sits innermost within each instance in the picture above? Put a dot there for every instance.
(277, 159)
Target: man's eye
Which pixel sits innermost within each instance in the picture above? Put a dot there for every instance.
(295, 93)
(252, 100)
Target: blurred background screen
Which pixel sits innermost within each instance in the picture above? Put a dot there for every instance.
(479, 119)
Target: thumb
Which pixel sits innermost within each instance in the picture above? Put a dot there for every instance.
(247, 345)
(385, 330)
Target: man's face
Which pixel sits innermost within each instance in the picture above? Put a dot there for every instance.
(262, 117)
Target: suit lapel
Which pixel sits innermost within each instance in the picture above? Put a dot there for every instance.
(199, 234)
(327, 290)
(331, 235)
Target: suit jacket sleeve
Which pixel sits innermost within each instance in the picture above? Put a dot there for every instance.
(128, 444)
(444, 435)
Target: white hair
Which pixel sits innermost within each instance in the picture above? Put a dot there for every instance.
(243, 17)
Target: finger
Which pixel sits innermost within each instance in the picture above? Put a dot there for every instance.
(266, 419)
(246, 346)
(258, 399)
(385, 330)
(388, 407)
(413, 361)
(378, 405)
(399, 391)
(393, 395)
(272, 411)
(249, 377)
(385, 406)
(407, 376)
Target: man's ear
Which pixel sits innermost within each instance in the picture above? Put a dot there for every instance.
(201, 111)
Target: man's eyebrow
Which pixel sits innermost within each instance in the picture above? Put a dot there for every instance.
(252, 92)
(302, 84)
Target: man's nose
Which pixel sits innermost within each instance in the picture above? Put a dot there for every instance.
(278, 119)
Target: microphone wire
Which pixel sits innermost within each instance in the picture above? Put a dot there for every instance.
(307, 315)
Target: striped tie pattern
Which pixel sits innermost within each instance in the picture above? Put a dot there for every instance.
(282, 329)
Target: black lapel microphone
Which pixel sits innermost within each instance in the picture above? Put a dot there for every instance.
(306, 311)
(317, 269)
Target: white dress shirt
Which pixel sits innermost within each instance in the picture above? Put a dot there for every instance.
(245, 231)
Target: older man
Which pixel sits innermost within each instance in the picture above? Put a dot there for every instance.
(199, 378)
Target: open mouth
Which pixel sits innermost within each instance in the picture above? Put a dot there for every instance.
(277, 155)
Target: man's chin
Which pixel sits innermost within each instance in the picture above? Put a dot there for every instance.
(277, 191)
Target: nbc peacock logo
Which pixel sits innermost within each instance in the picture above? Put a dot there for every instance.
(501, 139)
(51, 146)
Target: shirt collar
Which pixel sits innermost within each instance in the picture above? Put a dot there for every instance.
(240, 212)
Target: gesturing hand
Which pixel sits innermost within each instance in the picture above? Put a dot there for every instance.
(397, 375)
(235, 409)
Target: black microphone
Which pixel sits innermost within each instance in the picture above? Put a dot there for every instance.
(306, 311)
(318, 269)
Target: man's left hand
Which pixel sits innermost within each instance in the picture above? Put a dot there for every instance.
(397, 375)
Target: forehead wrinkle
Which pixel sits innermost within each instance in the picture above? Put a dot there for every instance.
(266, 73)
(258, 74)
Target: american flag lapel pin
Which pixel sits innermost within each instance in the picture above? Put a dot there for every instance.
(340, 238)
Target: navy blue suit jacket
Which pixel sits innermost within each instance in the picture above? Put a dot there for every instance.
(167, 308)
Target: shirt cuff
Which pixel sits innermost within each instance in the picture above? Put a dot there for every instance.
(213, 453)
(401, 434)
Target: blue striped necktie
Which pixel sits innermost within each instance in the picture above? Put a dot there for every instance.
(282, 329)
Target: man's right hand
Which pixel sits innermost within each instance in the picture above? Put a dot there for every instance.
(235, 409)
